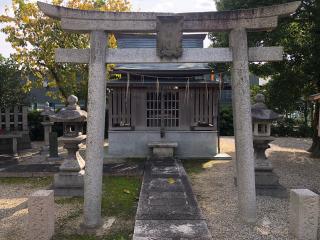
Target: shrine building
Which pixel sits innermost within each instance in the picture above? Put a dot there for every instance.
(174, 103)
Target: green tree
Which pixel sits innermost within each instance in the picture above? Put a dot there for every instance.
(11, 88)
(298, 76)
(35, 37)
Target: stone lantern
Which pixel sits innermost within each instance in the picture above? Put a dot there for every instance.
(47, 125)
(267, 182)
(69, 181)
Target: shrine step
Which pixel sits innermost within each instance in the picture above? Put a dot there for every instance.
(167, 207)
(163, 149)
(172, 229)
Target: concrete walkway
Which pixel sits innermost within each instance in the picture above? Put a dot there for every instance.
(167, 207)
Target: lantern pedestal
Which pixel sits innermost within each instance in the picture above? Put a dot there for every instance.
(267, 181)
(47, 130)
(47, 127)
(69, 181)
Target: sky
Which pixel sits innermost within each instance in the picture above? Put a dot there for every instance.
(137, 5)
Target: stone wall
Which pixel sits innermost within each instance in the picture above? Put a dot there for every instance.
(191, 144)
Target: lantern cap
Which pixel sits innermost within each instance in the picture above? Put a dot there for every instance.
(71, 113)
(259, 110)
(47, 110)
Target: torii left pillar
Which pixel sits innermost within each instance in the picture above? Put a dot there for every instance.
(243, 124)
(95, 129)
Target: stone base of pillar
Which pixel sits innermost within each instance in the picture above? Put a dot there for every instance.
(68, 183)
(95, 230)
(266, 180)
(267, 184)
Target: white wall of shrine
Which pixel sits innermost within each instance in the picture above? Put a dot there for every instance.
(134, 144)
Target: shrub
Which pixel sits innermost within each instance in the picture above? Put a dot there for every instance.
(226, 121)
(36, 128)
(290, 127)
(286, 127)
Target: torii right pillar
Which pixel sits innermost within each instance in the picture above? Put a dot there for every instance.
(243, 124)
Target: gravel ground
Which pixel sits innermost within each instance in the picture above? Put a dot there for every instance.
(14, 212)
(218, 200)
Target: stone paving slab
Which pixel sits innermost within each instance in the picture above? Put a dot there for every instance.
(172, 229)
(167, 207)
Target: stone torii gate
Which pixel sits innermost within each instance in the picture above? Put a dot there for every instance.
(99, 24)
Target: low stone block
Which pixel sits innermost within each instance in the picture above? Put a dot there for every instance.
(266, 179)
(69, 183)
(69, 179)
(41, 215)
(303, 214)
(163, 149)
(163, 152)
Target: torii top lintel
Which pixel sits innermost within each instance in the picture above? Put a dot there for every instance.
(256, 19)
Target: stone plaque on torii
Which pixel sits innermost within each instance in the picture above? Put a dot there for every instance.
(237, 23)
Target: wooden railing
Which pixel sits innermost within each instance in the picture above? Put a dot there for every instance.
(120, 108)
(204, 106)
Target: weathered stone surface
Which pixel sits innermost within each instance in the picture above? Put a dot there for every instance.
(149, 55)
(69, 180)
(166, 200)
(47, 125)
(169, 36)
(194, 144)
(95, 130)
(47, 130)
(262, 18)
(243, 125)
(171, 229)
(41, 215)
(73, 162)
(165, 170)
(266, 179)
(72, 113)
(261, 144)
(163, 152)
(53, 145)
(162, 184)
(303, 214)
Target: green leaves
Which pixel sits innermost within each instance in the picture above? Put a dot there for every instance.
(298, 75)
(35, 38)
(11, 91)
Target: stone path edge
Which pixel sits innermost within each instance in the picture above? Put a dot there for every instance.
(109, 170)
